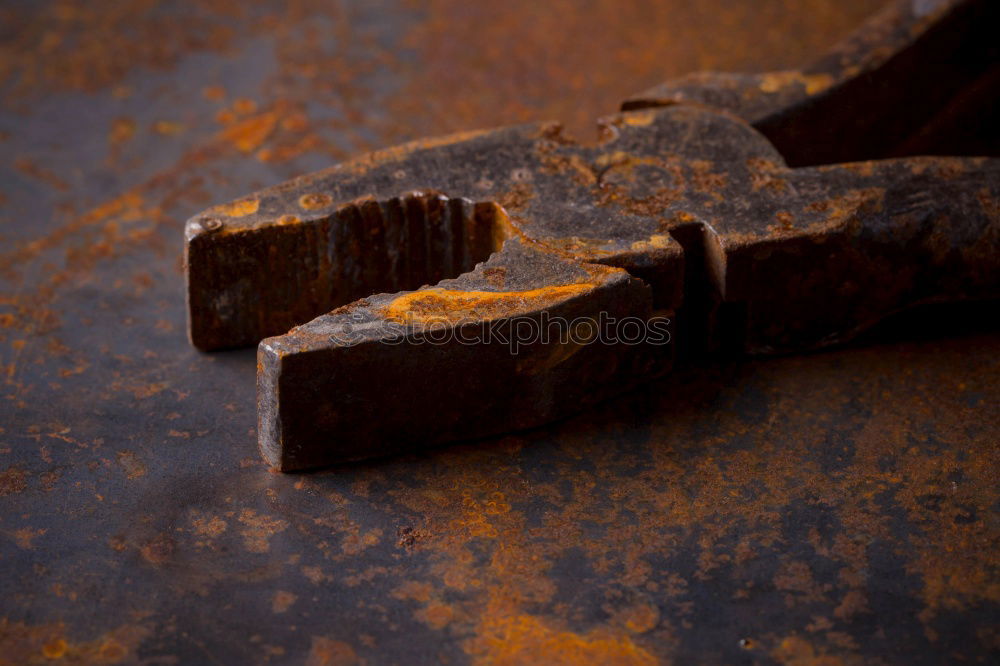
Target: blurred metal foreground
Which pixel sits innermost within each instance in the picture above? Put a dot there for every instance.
(834, 508)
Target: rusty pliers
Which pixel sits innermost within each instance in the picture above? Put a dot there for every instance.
(563, 273)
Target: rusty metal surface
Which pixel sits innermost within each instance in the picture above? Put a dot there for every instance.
(832, 508)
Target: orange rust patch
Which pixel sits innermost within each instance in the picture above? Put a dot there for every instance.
(517, 197)
(616, 158)
(32, 644)
(12, 480)
(315, 201)
(315, 575)
(55, 648)
(127, 207)
(25, 537)
(415, 590)
(436, 615)
(773, 82)
(800, 652)
(205, 525)
(785, 221)
(705, 180)
(240, 208)
(142, 391)
(167, 127)
(526, 639)
(328, 652)
(248, 135)
(243, 106)
(574, 165)
(639, 118)
(765, 174)
(355, 542)
(654, 242)
(259, 530)
(640, 618)
(282, 601)
(158, 550)
(438, 305)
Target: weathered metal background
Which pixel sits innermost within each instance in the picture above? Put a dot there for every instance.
(833, 508)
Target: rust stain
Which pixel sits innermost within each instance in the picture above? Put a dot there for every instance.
(259, 529)
(126, 207)
(206, 526)
(282, 601)
(214, 93)
(436, 615)
(133, 466)
(242, 106)
(24, 537)
(414, 590)
(772, 82)
(46, 643)
(315, 201)
(329, 652)
(315, 575)
(640, 618)
(238, 208)
(654, 242)
(517, 198)
(638, 118)
(247, 135)
(705, 180)
(55, 649)
(797, 651)
(167, 127)
(437, 305)
(139, 389)
(12, 480)
(527, 639)
(767, 175)
(797, 580)
(159, 549)
(354, 542)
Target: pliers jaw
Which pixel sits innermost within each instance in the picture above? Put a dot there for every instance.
(512, 344)
(681, 214)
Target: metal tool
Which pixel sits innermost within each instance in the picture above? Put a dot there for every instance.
(541, 247)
